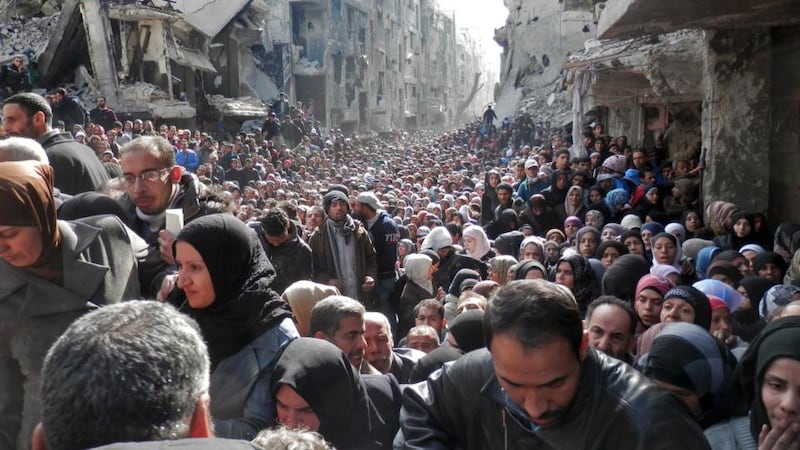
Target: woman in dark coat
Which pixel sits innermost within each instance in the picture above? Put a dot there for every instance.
(51, 273)
(223, 283)
(316, 388)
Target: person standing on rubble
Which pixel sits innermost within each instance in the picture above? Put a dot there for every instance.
(103, 115)
(14, 77)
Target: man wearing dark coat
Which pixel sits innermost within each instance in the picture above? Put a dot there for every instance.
(289, 254)
(76, 166)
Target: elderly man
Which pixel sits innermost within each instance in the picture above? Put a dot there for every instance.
(159, 391)
(379, 352)
(343, 255)
(539, 385)
(611, 324)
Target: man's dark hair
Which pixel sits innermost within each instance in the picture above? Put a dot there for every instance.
(534, 312)
(275, 222)
(614, 301)
(454, 228)
(328, 313)
(430, 303)
(133, 371)
(32, 103)
(153, 144)
(61, 91)
(289, 208)
(561, 152)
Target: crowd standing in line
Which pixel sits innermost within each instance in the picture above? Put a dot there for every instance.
(490, 287)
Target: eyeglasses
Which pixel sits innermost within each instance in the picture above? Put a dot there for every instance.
(152, 175)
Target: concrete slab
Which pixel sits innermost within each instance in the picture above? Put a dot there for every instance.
(628, 18)
(189, 57)
(210, 16)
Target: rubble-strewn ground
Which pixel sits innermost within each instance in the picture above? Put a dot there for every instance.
(28, 37)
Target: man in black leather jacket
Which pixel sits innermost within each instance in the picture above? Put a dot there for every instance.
(540, 386)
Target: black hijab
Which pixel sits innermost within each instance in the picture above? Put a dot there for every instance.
(620, 279)
(586, 286)
(467, 328)
(779, 339)
(324, 377)
(244, 306)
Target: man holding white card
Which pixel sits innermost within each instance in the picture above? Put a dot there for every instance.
(153, 184)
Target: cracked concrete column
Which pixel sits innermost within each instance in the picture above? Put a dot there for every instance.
(736, 117)
(96, 24)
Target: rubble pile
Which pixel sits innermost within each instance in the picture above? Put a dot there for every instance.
(238, 107)
(28, 37)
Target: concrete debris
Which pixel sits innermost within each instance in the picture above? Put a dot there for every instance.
(26, 36)
(238, 107)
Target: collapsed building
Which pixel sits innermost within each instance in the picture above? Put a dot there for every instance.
(363, 64)
(717, 79)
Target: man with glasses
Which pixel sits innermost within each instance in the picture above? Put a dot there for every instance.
(153, 183)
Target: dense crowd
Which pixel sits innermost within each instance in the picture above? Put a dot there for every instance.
(499, 284)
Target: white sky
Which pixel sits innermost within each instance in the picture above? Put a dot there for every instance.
(481, 17)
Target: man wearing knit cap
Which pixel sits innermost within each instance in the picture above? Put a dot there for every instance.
(385, 235)
(342, 252)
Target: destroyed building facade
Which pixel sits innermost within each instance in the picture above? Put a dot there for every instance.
(365, 64)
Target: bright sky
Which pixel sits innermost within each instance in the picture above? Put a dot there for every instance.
(481, 17)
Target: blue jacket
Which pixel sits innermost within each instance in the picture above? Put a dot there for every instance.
(241, 391)
(385, 236)
(188, 159)
(527, 189)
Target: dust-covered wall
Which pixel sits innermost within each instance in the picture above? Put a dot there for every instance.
(537, 38)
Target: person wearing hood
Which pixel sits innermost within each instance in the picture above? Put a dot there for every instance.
(476, 244)
(538, 215)
(765, 388)
(741, 232)
(465, 334)
(587, 239)
(51, 272)
(499, 267)
(450, 262)
(507, 220)
(316, 388)
(530, 269)
(574, 272)
(489, 200)
(573, 205)
(418, 287)
(556, 194)
(532, 247)
(224, 283)
(288, 253)
(687, 361)
(301, 296)
(769, 265)
(686, 304)
(454, 292)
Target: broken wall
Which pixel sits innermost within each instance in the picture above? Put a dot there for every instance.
(537, 38)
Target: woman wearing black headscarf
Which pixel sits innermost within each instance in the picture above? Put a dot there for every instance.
(316, 388)
(223, 283)
(620, 279)
(51, 273)
(747, 323)
(574, 272)
(765, 383)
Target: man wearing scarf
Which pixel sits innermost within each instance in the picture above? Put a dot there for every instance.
(343, 254)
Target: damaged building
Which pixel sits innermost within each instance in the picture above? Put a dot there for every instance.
(363, 64)
(717, 78)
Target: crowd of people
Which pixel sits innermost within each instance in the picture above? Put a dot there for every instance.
(497, 286)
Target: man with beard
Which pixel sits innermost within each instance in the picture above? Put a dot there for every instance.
(340, 321)
(77, 169)
(153, 183)
(343, 254)
(539, 384)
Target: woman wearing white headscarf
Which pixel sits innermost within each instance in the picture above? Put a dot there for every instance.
(418, 287)
(476, 243)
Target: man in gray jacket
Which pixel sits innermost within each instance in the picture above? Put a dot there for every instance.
(540, 386)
